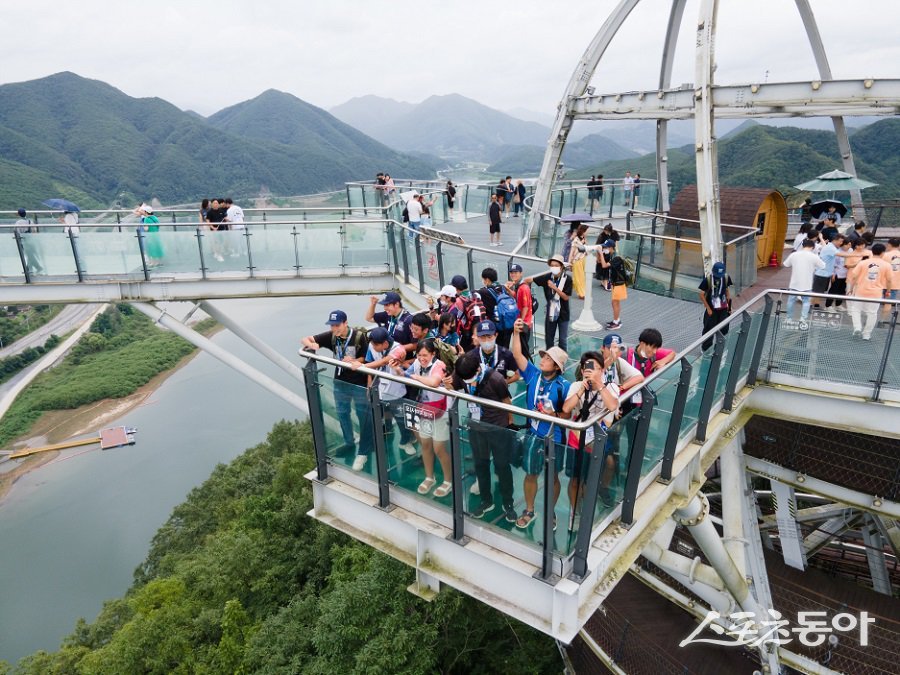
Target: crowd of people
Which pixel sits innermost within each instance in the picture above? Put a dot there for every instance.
(480, 342)
(850, 263)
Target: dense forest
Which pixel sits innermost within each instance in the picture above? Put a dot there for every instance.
(241, 580)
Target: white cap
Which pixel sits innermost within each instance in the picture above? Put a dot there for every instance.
(146, 207)
(449, 291)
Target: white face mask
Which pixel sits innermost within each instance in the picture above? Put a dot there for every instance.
(487, 345)
(555, 270)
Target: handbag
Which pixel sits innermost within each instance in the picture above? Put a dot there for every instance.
(516, 199)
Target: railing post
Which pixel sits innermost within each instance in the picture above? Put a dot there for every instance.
(78, 268)
(404, 236)
(249, 252)
(296, 249)
(21, 248)
(362, 188)
(549, 511)
(636, 458)
(589, 503)
(142, 247)
(119, 221)
(735, 371)
(681, 393)
(774, 339)
(458, 534)
(879, 379)
(381, 460)
(470, 268)
(199, 236)
(316, 420)
(391, 230)
(753, 373)
(612, 199)
(709, 389)
(438, 248)
(637, 263)
(420, 268)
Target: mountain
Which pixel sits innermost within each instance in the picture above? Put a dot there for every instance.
(83, 137)
(371, 113)
(779, 158)
(546, 119)
(450, 126)
(527, 159)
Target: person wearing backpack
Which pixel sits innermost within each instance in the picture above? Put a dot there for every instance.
(557, 287)
(350, 346)
(526, 303)
(500, 306)
(716, 299)
(32, 251)
(382, 350)
(470, 308)
(546, 392)
(647, 357)
(618, 279)
(489, 433)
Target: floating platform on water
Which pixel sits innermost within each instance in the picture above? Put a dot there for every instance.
(114, 437)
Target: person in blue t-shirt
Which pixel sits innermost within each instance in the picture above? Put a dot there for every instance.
(547, 390)
(822, 278)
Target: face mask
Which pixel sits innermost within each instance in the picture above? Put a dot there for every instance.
(488, 345)
(555, 271)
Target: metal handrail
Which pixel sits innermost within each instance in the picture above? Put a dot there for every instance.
(248, 224)
(656, 214)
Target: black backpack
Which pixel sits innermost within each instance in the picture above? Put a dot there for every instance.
(405, 215)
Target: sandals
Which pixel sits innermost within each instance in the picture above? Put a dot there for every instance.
(444, 489)
(426, 485)
(525, 519)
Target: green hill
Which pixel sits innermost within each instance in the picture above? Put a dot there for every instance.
(241, 580)
(527, 159)
(779, 158)
(87, 135)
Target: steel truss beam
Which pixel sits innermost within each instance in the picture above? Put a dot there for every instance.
(818, 98)
(881, 578)
(830, 529)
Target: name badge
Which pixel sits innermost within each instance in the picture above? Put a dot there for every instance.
(474, 411)
(717, 302)
(588, 436)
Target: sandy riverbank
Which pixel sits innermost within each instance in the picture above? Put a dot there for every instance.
(60, 425)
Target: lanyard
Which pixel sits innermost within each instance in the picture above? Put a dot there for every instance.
(493, 358)
(393, 322)
(340, 346)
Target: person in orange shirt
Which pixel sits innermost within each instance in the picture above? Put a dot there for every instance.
(892, 256)
(870, 278)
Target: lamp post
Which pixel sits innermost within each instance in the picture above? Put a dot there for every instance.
(586, 322)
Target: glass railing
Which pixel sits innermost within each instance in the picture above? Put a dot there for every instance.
(759, 342)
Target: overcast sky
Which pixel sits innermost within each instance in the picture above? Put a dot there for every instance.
(205, 55)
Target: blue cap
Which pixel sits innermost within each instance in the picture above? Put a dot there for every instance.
(459, 282)
(609, 243)
(718, 270)
(390, 297)
(515, 267)
(21, 213)
(612, 340)
(336, 318)
(486, 328)
(378, 335)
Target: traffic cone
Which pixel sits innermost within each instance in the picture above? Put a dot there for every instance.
(773, 261)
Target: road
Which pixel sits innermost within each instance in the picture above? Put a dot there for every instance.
(66, 321)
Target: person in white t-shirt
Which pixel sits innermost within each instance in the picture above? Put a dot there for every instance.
(70, 220)
(628, 188)
(234, 216)
(803, 264)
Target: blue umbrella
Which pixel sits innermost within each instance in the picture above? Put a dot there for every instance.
(61, 205)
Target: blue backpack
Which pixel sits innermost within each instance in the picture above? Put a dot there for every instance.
(505, 310)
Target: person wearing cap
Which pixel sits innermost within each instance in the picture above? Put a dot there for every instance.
(381, 352)
(557, 287)
(491, 354)
(593, 393)
(349, 345)
(716, 299)
(150, 225)
(525, 302)
(488, 433)
(546, 392)
(471, 311)
(491, 293)
(394, 318)
(803, 264)
(30, 247)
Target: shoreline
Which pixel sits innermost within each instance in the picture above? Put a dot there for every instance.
(59, 425)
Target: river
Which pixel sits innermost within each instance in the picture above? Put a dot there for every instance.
(72, 532)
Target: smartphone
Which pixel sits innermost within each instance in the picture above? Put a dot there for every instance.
(590, 364)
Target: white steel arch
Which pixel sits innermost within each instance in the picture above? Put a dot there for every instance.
(828, 97)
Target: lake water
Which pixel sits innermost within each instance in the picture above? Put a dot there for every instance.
(72, 532)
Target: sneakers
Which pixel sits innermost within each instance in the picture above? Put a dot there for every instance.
(475, 490)
(607, 497)
(345, 449)
(481, 509)
(857, 333)
(499, 243)
(408, 448)
(509, 514)
(220, 258)
(613, 325)
(360, 462)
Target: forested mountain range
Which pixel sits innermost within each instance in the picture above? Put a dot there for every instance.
(779, 158)
(68, 136)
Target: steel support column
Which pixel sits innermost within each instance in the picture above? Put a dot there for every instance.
(881, 579)
(676, 13)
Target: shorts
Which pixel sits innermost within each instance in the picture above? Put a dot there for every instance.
(438, 429)
(620, 292)
(820, 285)
(581, 458)
(495, 229)
(533, 457)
